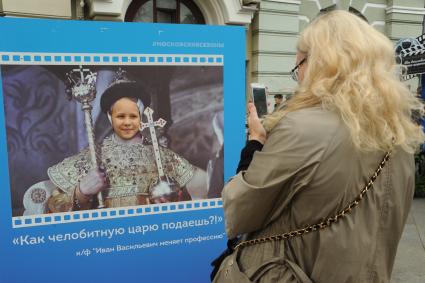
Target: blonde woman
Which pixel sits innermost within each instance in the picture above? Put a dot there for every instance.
(313, 159)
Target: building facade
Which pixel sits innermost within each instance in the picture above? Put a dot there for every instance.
(272, 26)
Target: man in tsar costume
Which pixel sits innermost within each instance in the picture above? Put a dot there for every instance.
(128, 174)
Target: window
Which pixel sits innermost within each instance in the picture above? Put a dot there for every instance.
(164, 11)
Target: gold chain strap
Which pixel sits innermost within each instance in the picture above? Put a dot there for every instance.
(325, 223)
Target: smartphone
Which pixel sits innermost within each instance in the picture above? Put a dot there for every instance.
(258, 96)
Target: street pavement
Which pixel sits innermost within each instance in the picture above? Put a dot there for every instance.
(409, 266)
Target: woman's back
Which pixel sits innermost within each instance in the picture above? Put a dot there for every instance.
(309, 170)
(319, 152)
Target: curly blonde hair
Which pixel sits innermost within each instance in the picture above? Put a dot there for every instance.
(351, 70)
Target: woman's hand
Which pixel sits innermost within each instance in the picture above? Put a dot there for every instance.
(256, 129)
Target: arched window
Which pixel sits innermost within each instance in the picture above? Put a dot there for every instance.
(164, 11)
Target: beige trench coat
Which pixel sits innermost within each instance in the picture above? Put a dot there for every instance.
(309, 170)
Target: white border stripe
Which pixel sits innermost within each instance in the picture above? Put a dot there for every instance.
(111, 213)
(31, 58)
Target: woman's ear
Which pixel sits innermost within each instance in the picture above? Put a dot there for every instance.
(109, 117)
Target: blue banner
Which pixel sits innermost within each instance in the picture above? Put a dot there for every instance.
(194, 76)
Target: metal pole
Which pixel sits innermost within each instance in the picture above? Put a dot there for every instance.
(83, 89)
(86, 107)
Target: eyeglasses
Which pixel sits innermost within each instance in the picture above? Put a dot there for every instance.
(295, 70)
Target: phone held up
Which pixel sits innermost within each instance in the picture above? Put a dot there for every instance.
(258, 97)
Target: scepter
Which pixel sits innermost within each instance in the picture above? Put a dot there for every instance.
(83, 90)
(151, 125)
(162, 177)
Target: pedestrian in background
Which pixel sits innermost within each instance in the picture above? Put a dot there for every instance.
(278, 99)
